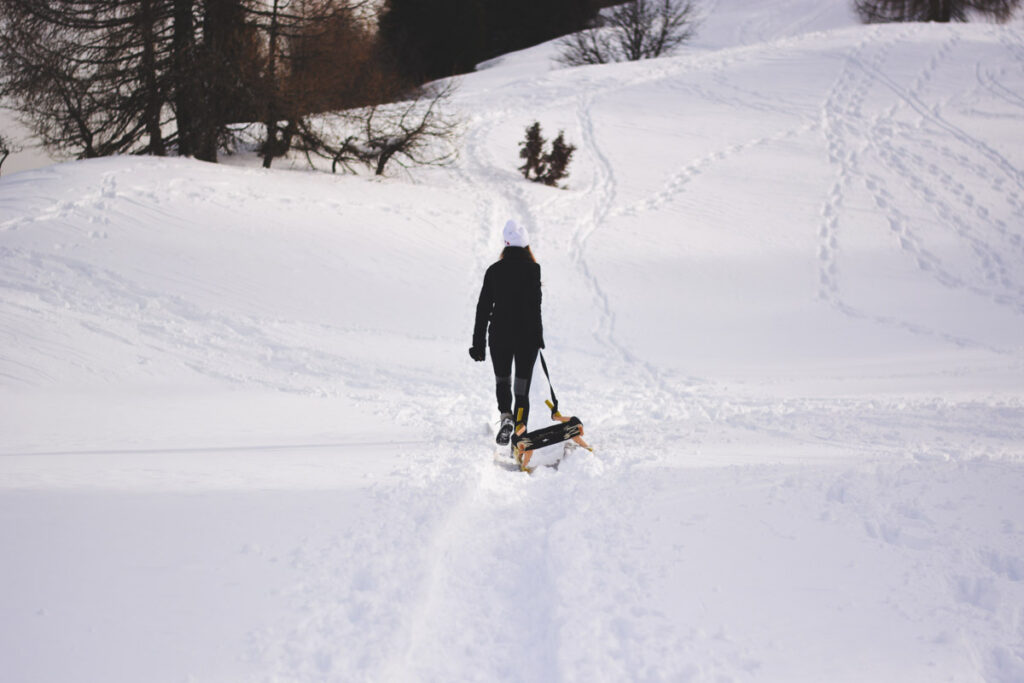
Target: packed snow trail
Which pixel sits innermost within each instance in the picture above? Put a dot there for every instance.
(784, 289)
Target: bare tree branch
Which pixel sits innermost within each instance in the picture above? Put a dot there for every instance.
(6, 149)
(415, 132)
(884, 11)
(86, 75)
(639, 29)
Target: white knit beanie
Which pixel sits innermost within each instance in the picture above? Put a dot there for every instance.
(515, 235)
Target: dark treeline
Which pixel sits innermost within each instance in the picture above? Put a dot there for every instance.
(435, 38)
(100, 77)
(944, 11)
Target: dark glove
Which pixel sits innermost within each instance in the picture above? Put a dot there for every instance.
(542, 343)
(477, 353)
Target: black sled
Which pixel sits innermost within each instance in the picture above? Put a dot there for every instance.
(567, 428)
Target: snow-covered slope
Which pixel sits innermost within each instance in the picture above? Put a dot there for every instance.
(784, 289)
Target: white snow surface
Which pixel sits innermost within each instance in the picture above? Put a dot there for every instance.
(241, 438)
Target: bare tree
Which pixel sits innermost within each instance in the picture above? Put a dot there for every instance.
(590, 46)
(181, 67)
(85, 75)
(271, 93)
(881, 11)
(227, 76)
(100, 77)
(639, 29)
(6, 149)
(417, 131)
(321, 56)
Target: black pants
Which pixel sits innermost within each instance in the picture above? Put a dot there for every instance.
(524, 357)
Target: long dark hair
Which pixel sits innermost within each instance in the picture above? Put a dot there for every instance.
(508, 250)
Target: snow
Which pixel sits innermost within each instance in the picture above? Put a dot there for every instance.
(242, 439)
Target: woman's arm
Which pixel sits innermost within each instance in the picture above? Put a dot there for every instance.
(483, 312)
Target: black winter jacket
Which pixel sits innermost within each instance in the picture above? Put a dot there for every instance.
(510, 301)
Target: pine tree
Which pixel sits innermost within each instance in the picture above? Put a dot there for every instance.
(557, 161)
(532, 150)
(541, 166)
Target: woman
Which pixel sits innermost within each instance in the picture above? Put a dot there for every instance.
(510, 302)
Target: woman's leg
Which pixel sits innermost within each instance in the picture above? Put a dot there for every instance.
(501, 359)
(525, 359)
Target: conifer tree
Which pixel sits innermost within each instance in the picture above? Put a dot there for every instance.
(532, 151)
(557, 161)
(542, 166)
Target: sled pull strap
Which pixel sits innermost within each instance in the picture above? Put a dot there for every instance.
(554, 411)
(553, 403)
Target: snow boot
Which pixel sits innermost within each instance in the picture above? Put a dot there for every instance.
(505, 430)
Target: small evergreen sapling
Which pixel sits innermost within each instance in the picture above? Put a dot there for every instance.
(557, 162)
(532, 151)
(541, 166)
